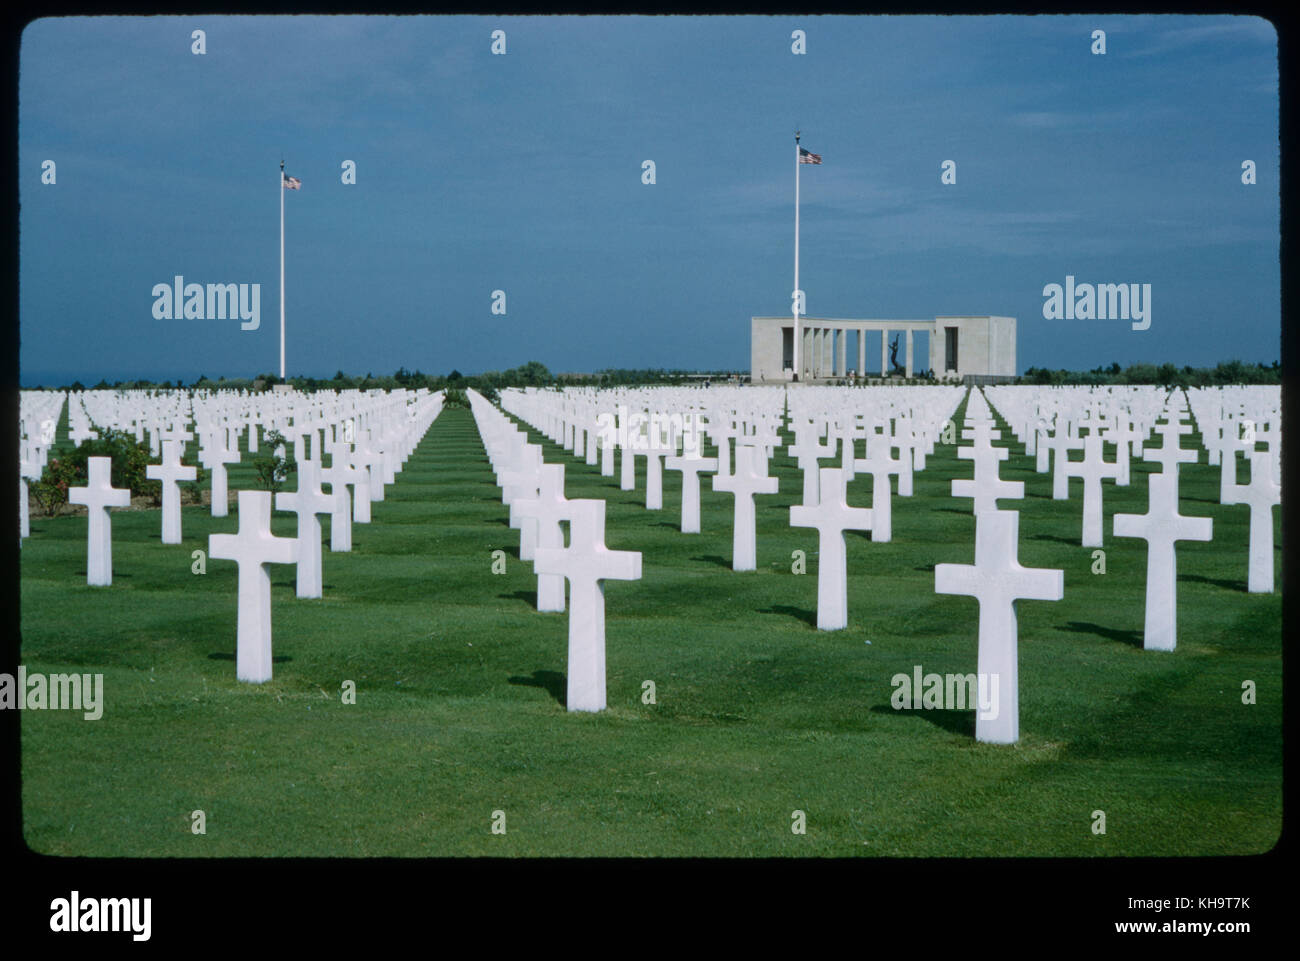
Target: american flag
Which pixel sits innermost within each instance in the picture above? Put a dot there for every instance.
(293, 183)
(808, 157)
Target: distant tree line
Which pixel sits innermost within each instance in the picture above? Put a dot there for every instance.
(536, 374)
(1165, 375)
(531, 374)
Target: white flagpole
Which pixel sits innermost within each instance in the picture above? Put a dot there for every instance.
(795, 298)
(281, 271)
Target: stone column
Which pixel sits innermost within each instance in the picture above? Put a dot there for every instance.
(884, 352)
(806, 358)
(843, 348)
(862, 353)
(909, 352)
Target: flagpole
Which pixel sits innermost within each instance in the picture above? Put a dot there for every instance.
(795, 298)
(282, 271)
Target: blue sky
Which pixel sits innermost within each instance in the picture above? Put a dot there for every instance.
(522, 173)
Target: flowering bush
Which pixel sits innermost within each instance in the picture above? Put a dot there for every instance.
(130, 458)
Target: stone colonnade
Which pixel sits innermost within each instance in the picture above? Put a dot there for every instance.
(824, 351)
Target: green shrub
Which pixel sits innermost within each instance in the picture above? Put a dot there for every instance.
(130, 458)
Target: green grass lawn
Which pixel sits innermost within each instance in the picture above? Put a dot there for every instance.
(460, 685)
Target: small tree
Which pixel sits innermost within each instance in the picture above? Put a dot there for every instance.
(272, 468)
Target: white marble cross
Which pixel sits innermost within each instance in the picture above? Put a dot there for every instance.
(371, 458)
(339, 475)
(723, 429)
(1171, 455)
(1262, 494)
(1093, 468)
(543, 512)
(879, 463)
(99, 495)
(634, 427)
(252, 549)
(1123, 434)
(170, 472)
(178, 432)
(1041, 432)
(593, 438)
(522, 482)
(900, 434)
(691, 464)
(520, 479)
(831, 516)
(608, 443)
(215, 455)
(81, 431)
(986, 487)
(579, 434)
(26, 467)
(848, 434)
(1161, 527)
(1061, 443)
(252, 422)
(997, 581)
(654, 476)
(586, 563)
(307, 502)
(749, 478)
(807, 449)
(360, 485)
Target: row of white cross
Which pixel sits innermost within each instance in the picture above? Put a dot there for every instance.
(352, 489)
(534, 492)
(996, 579)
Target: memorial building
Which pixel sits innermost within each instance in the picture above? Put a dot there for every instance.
(960, 348)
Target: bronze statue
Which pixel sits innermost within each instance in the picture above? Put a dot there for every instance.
(893, 359)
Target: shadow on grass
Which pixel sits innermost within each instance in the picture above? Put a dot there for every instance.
(226, 656)
(528, 596)
(808, 617)
(954, 721)
(1072, 541)
(293, 586)
(1216, 581)
(552, 682)
(714, 559)
(1132, 638)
